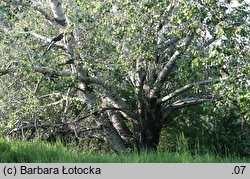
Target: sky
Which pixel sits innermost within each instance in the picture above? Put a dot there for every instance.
(235, 2)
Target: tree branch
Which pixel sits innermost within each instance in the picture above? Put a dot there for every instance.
(58, 13)
(189, 101)
(46, 15)
(166, 48)
(206, 44)
(66, 106)
(90, 80)
(45, 39)
(37, 8)
(100, 112)
(52, 104)
(169, 66)
(49, 95)
(185, 88)
(7, 71)
(185, 103)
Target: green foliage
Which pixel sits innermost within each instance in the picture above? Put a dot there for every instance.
(110, 38)
(202, 132)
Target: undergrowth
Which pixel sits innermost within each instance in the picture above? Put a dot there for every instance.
(16, 151)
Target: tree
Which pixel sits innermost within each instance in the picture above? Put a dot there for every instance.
(125, 66)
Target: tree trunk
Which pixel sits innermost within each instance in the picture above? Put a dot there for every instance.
(111, 134)
(148, 129)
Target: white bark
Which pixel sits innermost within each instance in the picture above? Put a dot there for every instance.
(185, 88)
(169, 66)
(116, 119)
(58, 13)
(110, 132)
(45, 39)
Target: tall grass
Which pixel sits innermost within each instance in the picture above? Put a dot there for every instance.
(40, 152)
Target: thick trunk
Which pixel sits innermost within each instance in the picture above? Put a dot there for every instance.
(147, 130)
(148, 126)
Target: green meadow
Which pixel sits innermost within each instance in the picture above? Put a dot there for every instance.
(40, 152)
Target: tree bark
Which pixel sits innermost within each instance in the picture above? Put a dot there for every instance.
(148, 128)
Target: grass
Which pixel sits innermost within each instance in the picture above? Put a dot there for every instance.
(41, 152)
